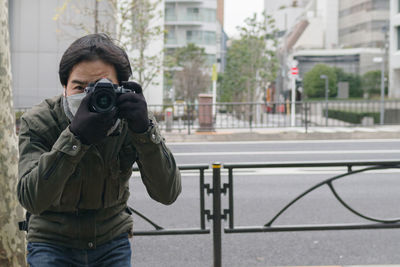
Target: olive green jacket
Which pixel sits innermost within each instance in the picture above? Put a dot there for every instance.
(77, 194)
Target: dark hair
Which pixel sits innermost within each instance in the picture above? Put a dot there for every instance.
(93, 47)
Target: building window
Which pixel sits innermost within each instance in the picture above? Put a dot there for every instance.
(209, 15)
(192, 14)
(201, 14)
(380, 4)
(211, 59)
(194, 37)
(368, 6)
(209, 38)
(377, 25)
(201, 37)
(398, 37)
(170, 37)
(170, 13)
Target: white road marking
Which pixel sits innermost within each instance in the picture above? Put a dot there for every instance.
(200, 143)
(304, 152)
(285, 171)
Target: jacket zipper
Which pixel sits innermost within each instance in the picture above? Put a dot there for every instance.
(53, 167)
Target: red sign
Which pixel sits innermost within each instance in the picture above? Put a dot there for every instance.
(295, 71)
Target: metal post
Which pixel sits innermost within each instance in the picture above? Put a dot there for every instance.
(217, 214)
(306, 117)
(326, 97)
(293, 106)
(231, 209)
(96, 14)
(385, 30)
(189, 118)
(251, 117)
(202, 208)
(382, 92)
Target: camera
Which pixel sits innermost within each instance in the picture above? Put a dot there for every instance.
(105, 94)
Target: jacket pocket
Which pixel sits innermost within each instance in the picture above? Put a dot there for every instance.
(72, 191)
(124, 178)
(112, 184)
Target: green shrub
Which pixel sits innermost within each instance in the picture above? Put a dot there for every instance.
(314, 86)
(371, 82)
(354, 117)
(354, 80)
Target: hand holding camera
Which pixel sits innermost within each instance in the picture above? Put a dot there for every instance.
(133, 107)
(91, 127)
(102, 105)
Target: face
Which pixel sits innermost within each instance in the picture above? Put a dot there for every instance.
(87, 72)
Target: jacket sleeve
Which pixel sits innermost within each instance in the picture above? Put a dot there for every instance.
(44, 168)
(157, 165)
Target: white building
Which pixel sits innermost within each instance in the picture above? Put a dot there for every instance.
(35, 51)
(322, 25)
(394, 53)
(193, 21)
(308, 24)
(285, 12)
(38, 41)
(361, 23)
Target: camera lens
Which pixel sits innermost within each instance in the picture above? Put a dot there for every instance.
(103, 96)
(104, 101)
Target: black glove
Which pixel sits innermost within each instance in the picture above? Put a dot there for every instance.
(91, 127)
(133, 107)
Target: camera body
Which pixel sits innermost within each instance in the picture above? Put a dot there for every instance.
(105, 94)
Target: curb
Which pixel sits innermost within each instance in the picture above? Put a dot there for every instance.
(374, 265)
(274, 136)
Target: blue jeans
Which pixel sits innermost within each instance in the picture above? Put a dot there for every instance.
(116, 253)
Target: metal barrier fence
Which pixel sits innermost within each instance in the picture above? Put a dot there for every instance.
(206, 117)
(218, 214)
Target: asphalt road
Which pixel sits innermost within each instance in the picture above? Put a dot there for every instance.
(260, 194)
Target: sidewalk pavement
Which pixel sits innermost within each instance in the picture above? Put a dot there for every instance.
(375, 265)
(288, 133)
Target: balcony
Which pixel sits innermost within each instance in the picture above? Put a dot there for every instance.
(183, 20)
(183, 1)
(188, 19)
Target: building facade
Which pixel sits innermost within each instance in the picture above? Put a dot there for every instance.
(285, 12)
(39, 39)
(199, 22)
(361, 23)
(394, 53)
(193, 21)
(356, 60)
(36, 51)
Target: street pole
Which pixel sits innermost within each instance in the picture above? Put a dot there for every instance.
(217, 242)
(382, 117)
(214, 78)
(214, 98)
(385, 30)
(293, 107)
(96, 14)
(326, 97)
(294, 71)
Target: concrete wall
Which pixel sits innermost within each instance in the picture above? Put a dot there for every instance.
(357, 61)
(180, 26)
(331, 22)
(38, 42)
(154, 93)
(351, 31)
(35, 51)
(394, 58)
